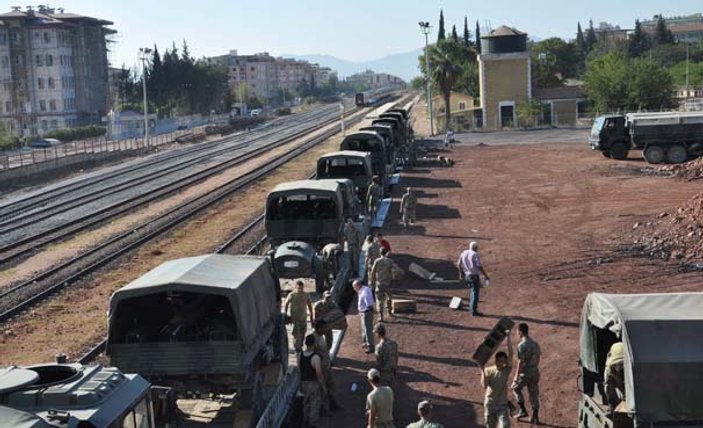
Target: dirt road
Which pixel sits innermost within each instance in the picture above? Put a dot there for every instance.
(550, 219)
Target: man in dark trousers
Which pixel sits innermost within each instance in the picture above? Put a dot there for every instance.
(527, 373)
(365, 306)
(470, 266)
(313, 385)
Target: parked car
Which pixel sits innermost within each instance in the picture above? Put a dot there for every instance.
(44, 143)
(255, 112)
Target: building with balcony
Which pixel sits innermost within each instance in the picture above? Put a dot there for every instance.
(53, 69)
(686, 29)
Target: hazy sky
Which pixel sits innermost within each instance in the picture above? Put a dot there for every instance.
(355, 30)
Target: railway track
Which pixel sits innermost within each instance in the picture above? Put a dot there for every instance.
(24, 295)
(91, 218)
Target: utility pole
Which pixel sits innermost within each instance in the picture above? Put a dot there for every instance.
(341, 107)
(144, 56)
(426, 28)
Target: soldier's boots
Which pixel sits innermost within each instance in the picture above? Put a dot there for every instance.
(523, 411)
(534, 420)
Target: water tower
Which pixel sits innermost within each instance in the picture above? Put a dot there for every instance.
(504, 76)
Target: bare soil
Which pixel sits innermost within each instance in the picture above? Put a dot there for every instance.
(552, 227)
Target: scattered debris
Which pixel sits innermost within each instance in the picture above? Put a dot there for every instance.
(455, 303)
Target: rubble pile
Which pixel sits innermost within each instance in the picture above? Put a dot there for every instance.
(678, 234)
(691, 170)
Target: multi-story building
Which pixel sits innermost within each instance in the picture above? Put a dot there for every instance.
(372, 80)
(687, 29)
(257, 73)
(53, 69)
(292, 72)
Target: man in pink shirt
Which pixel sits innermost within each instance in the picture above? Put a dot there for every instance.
(470, 266)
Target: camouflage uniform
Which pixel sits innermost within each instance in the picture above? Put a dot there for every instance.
(322, 308)
(373, 197)
(387, 360)
(299, 316)
(614, 374)
(407, 208)
(322, 349)
(528, 352)
(329, 257)
(351, 236)
(373, 252)
(424, 424)
(381, 276)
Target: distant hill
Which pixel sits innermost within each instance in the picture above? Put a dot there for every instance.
(403, 65)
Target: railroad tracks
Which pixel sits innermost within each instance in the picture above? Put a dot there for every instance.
(24, 295)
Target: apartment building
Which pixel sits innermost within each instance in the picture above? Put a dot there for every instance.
(257, 73)
(291, 72)
(53, 69)
(687, 29)
(370, 79)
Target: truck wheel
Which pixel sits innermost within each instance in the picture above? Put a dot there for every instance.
(676, 154)
(605, 153)
(654, 154)
(619, 150)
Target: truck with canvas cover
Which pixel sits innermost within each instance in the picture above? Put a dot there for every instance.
(204, 325)
(372, 142)
(402, 121)
(672, 137)
(385, 131)
(642, 360)
(73, 396)
(347, 164)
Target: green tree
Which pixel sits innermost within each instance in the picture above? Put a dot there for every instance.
(614, 82)
(554, 56)
(467, 34)
(662, 34)
(580, 40)
(639, 42)
(455, 36)
(591, 39)
(418, 83)
(446, 59)
(7, 140)
(477, 34)
(440, 31)
(527, 112)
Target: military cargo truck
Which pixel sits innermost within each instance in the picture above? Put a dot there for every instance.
(347, 164)
(73, 395)
(206, 326)
(372, 142)
(661, 369)
(386, 131)
(672, 137)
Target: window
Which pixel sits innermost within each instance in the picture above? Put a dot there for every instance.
(3, 39)
(54, 123)
(42, 105)
(52, 105)
(49, 60)
(40, 83)
(40, 60)
(44, 125)
(462, 106)
(47, 38)
(5, 61)
(18, 59)
(51, 83)
(8, 107)
(252, 69)
(14, 37)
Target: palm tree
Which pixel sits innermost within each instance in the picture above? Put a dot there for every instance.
(446, 70)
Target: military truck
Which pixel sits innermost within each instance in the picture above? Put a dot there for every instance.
(347, 164)
(386, 131)
(73, 395)
(372, 142)
(301, 218)
(662, 365)
(211, 328)
(673, 137)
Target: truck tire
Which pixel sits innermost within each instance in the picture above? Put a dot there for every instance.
(654, 154)
(605, 153)
(619, 150)
(676, 154)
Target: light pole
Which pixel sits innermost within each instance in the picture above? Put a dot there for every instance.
(342, 109)
(144, 56)
(426, 28)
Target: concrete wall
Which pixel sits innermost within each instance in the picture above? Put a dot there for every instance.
(503, 78)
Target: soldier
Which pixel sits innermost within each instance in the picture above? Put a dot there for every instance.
(322, 348)
(386, 355)
(330, 252)
(312, 384)
(407, 207)
(614, 375)
(322, 309)
(382, 272)
(353, 240)
(494, 380)
(424, 411)
(373, 251)
(373, 197)
(527, 373)
(300, 310)
(379, 402)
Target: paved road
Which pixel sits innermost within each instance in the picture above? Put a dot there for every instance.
(501, 138)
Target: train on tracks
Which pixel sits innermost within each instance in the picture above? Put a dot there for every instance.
(373, 97)
(204, 336)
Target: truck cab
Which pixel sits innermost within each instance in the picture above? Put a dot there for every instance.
(385, 131)
(73, 396)
(611, 136)
(347, 164)
(372, 142)
(662, 362)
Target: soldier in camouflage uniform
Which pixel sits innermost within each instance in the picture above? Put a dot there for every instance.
(313, 383)
(424, 411)
(373, 252)
(386, 355)
(407, 207)
(527, 373)
(381, 276)
(323, 349)
(353, 240)
(300, 308)
(321, 309)
(330, 252)
(373, 196)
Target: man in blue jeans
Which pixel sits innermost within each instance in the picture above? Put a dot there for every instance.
(470, 267)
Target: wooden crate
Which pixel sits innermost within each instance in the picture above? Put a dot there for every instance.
(492, 341)
(404, 306)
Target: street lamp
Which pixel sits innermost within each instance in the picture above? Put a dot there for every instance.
(426, 28)
(144, 57)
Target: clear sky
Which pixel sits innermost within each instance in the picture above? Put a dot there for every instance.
(354, 30)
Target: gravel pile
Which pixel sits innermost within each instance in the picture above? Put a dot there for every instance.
(677, 234)
(691, 170)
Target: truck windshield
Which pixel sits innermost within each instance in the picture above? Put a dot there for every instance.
(302, 207)
(341, 167)
(597, 126)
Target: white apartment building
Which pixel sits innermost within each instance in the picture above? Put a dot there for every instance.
(53, 69)
(257, 73)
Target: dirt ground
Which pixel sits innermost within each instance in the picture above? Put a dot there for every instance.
(550, 220)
